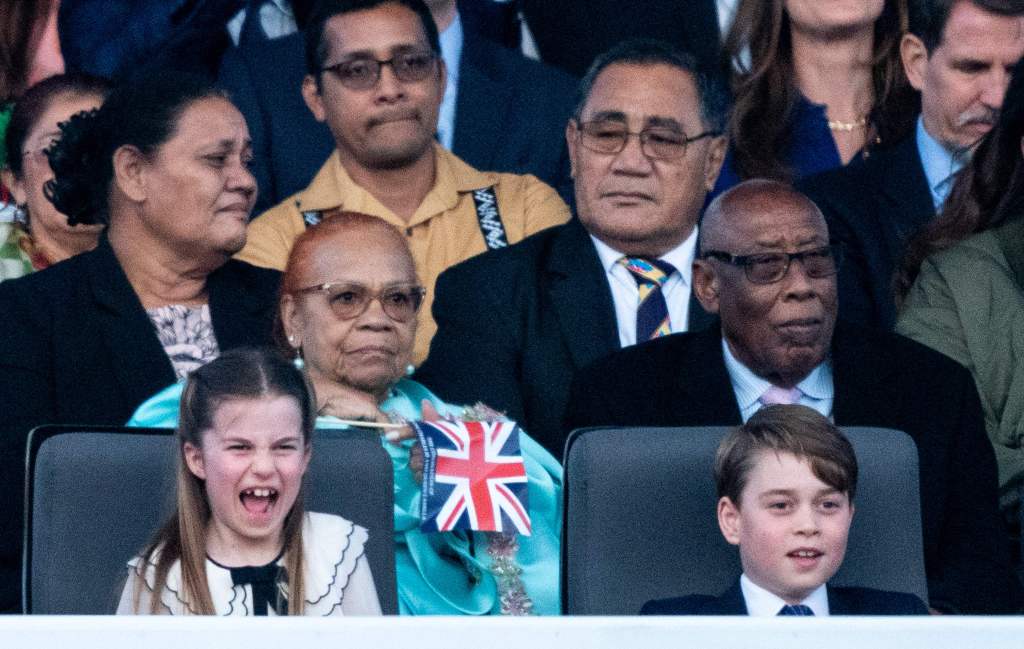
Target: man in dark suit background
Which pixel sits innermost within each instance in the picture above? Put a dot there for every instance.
(572, 33)
(957, 54)
(765, 267)
(513, 324)
(502, 112)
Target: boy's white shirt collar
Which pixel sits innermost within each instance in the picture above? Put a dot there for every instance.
(763, 603)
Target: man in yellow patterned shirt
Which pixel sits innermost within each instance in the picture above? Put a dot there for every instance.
(377, 79)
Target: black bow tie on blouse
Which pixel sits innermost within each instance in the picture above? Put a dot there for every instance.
(264, 581)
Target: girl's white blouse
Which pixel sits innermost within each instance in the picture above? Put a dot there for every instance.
(338, 579)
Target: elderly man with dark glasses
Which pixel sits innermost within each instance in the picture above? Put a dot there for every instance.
(766, 267)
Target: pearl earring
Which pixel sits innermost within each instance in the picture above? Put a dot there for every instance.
(298, 362)
(20, 214)
(409, 369)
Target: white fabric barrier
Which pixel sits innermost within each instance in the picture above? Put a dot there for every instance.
(44, 632)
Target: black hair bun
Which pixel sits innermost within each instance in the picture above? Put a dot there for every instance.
(80, 162)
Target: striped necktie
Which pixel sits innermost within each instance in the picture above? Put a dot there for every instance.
(796, 609)
(651, 312)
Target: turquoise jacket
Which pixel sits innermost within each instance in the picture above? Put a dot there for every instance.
(447, 573)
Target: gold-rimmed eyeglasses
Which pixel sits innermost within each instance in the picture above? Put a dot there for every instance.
(349, 300)
(659, 142)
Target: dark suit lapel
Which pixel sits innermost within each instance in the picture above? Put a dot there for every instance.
(481, 106)
(580, 296)
(865, 395)
(697, 318)
(239, 312)
(139, 363)
(731, 602)
(840, 602)
(702, 34)
(705, 394)
(902, 183)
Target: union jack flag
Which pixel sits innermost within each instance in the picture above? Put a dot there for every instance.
(473, 477)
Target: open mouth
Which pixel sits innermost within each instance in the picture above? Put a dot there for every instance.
(258, 500)
(805, 554)
(805, 558)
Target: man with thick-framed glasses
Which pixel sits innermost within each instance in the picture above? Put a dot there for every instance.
(766, 267)
(645, 144)
(376, 77)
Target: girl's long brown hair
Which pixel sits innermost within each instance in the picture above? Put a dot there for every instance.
(765, 93)
(236, 374)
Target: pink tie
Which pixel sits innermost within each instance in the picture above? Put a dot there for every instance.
(776, 395)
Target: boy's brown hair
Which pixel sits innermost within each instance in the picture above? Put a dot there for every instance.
(794, 429)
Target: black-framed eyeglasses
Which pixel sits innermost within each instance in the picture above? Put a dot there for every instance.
(349, 300)
(771, 267)
(662, 143)
(363, 73)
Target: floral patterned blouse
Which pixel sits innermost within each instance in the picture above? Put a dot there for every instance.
(186, 334)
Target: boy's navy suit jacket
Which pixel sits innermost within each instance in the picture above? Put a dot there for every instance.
(841, 601)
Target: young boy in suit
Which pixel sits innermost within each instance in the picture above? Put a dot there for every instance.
(786, 481)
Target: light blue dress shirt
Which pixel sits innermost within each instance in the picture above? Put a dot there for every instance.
(451, 52)
(939, 164)
(817, 389)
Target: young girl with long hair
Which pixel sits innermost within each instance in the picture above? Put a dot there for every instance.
(240, 541)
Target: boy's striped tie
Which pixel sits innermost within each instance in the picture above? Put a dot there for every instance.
(796, 609)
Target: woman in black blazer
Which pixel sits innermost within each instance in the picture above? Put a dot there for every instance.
(163, 164)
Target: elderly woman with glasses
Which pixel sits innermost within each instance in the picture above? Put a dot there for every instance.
(349, 300)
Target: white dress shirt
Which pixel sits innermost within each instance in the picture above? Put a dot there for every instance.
(276, 19)
(451, 52)
(762, 603)
(726, 14)
(817, 389)
(626, 294)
